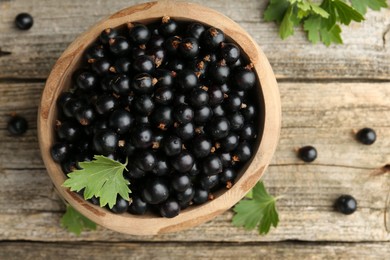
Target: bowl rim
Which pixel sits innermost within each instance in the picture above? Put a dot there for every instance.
(138, 225)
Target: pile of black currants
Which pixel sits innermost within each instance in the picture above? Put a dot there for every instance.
(177, 99)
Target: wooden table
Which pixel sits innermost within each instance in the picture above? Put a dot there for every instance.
(326, 93)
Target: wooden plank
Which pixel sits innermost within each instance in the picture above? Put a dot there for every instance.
(363, 56)
(306, 212)
(286, 250)
(319, 114)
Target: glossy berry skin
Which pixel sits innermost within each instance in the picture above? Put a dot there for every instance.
(194, 170)
(164, 78)
(143, 105)
(105, 142)
(144, 64)
(182, 162)
(24, 21)
(201, 146)
(249, 112)
(120, 206)
(228, 174)
(168, 27)
(172, 145)
(185, 131)
(17, 125)
(244, 79)
(107, 34)
(121, 121)
(163, 95)
(219, 72)
(162, 117)
(212, 165)
(208, 182)
(218, 127)
(189, 48)
(229, 52)
(307, 153)
(180, 182)
(119, 45)
(175, 64)
(183, 114)
(236, 120)
(137, 206)
(59, 152)
(162, 167)
(212, 38)
(198, 97)
(122, 65)
(155, 191)
(233, 102)
(201, 196)
(85, 115)
(121, 84)
(142, 136)
(346, 204)
(139, 34)
(226, 159)
(146, 160)
(105, 104)
(94, 53)
(195, 30)
(219, 110)
(172, 44)
(186, 80)
(87, 81)
(142, 83)
(215, 95)
(185, 196)
(366, 136)
(229, 143)
(101, 66)
(243, 152)
(69, 131)
(247, 132)
(170, 208)
(202, 115)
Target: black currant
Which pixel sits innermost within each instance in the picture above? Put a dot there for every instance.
(143, 104)
(137, 206)
(185, 131)
(119, 45)
(346, 204)
(307, 153)
(219, 72)
(17, 125)
(60, 152)
(195, 30)
(218, 127)
(198, 97)
(168, 26)
(366, 136)
(120, 206)
(121, 84)
(142, 83)
(227, 175)
(200, 196)
(24, 21)
(247, 132)
(122, 65)
(186, 80)
(229, 143)
(163, 95)
(162, 117)
(107, 34)
(201, 146)
(121, 121)
(215, 95)
(101, 66)
(186, 196)
(162, 167)
(212, 38)
(87, 81)
(134, 172)
(212, 165)
(208, 182)
(146, 160)
(69, 131)
(244, 79)
(243, 152)
(180, 182)
(172, 145)
(182, 162)
(139, 34)
(155, 191)
(183, 114)
(233, 102)
(85, 115)
(202, 115)
(105, 142)
(142, 136)
(170, 208)
(144, 64)
(236, 120)
(189, 48)
(229, 52)
(105, 104)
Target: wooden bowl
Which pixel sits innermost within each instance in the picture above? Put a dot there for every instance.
(269, 121)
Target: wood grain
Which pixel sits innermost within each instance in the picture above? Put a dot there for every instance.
(171, 251)
(363, 56)
(29, 208)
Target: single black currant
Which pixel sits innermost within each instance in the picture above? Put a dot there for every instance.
(137, 205)
(142, 136)
(122, 65)
(183, 162)
(170, 208)
(60, 152)
(346, 204)
(144, 64)
(163, 95)
(121, 121)
(236, 120)
(186, 80)
(107, 34)
(189, 48)
(105, 104)
(215, 95)
(201, 146)
(183, 114)
(202, 115)
(186, 196)
(180, 182)
(366, 136)
(244, 79)
(243, 152)
(198, 97)
(146, 160)
(172, 145)
(85, 115)
(155, 191)
(143, 104)
(227, 175)
(69, 131)
(233, 102)
(120, 206)
(168, 26)
(94, 53)
(119, 45)
(162, 167)
(229, 143)
(219, 72)
(218, 127)
(162, 117)
(139, 34)
(212, 38)
(142, 83)
(134, 172)
(164, 77)
(229, 52)
(24, 21)
(208, 182)
(185, 131)
(17, 125)
(247, 132)
(101, 66)
(307, 153)
(121, 84)
(195, 30)
(200, 196)
(105, 142)
(211, 165)
(87, 81)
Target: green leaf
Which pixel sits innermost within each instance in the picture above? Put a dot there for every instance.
(287, 26)
(103, 178)
(260, 211)
(346, 13)
(331, 36)
(313, 25)
(74, 222)
(361, 5)
(276, 10)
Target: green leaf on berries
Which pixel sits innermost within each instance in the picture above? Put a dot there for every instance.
(74, 222)
(258, 211)
(102, 178)
(362, 5)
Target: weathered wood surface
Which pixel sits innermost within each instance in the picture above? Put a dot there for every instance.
(174, 251)
(320, 114)
(326, 94)
(363, 56)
